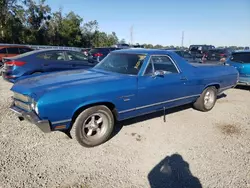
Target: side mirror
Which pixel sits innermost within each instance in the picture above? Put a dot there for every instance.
(159, 73)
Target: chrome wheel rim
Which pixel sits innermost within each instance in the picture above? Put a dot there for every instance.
(209, 99)
(95, 126)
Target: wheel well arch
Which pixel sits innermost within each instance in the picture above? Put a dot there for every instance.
(110, 105)
(216, 85)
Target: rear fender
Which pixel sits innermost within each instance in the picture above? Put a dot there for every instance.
(215, 84)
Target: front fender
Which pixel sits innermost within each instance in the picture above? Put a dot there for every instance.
(90, 103)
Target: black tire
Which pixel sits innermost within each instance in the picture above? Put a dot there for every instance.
(84, 119)
(201, 104)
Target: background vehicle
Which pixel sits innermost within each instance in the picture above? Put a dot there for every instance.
(85, 51)
(10, 51)
(121, 45)
(217, 54)
(241, 61)
(199, 50)
(126, 84)
(97, 54)
(40, 61)
(187, 56)
(138, 46)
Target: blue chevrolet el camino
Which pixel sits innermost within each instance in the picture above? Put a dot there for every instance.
(127, 83)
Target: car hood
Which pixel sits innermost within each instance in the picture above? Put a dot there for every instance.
(46, 82)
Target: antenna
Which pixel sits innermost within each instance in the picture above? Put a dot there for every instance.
(131, 34)
(182, 39)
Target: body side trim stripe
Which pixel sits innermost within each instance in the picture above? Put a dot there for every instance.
(155, 104)
(62, 121)
(228, 87)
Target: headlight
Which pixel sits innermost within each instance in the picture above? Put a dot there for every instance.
(21, 97)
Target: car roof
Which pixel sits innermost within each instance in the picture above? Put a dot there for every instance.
(51, 50)
(39, 51)
(142, 51)
(105, 48)
(220, 49)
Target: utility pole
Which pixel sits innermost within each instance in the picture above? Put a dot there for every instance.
(131, 34)
(182, 39)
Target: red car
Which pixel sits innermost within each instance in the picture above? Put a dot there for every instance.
(10, 51)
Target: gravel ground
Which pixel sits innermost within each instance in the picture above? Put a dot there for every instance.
(191, 149)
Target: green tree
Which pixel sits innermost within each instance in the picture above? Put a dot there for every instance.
(122, 41)
(37, 21)
(158, 46)
(112, 39)
(11, 18)
(148, 46)
(89, 30)
(55, 28)
(70, 30)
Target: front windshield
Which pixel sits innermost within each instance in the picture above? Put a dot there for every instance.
(122, 63)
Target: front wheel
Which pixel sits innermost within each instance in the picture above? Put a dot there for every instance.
(93, 126)
(207, 100)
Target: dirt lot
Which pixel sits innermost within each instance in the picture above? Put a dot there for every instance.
(192, 149)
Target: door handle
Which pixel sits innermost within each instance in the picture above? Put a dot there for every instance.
(183, 78)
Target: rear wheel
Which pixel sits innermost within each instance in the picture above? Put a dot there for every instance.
(207, 99)
(93, 126)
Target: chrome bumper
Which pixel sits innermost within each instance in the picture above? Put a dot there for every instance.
(243, 83)
(43, 125)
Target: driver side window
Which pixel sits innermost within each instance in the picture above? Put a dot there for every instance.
(160, 63)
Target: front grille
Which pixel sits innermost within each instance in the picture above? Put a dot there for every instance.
(21, 97)
(22, 105)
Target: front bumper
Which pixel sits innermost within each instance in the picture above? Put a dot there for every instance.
(43, 125)
(244, 81)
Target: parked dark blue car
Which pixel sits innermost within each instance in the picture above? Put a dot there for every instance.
(241, 61)
(126, 84)
(41, 61)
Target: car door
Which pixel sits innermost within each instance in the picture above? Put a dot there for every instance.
(78, 60)
(162, 85)
(53, 61)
